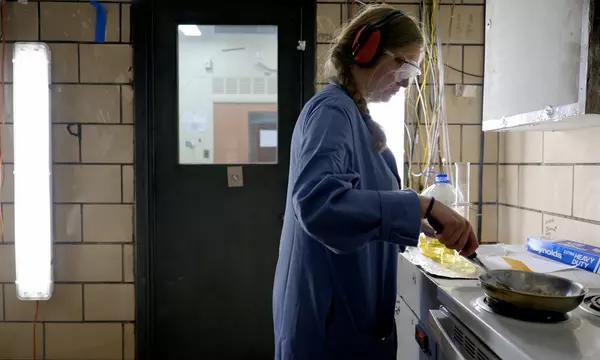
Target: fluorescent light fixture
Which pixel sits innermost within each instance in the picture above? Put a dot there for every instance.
(190, 30)
(32, 171)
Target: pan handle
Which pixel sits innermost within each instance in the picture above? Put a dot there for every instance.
(474, 259)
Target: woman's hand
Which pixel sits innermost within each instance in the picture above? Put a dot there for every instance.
(427, 229)
(457, 233)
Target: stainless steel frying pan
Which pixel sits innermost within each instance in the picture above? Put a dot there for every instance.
(529, 290)
(532, 291)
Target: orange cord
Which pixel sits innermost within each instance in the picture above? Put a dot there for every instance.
(35, 319)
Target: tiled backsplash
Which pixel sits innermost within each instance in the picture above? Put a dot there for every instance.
(91, 313)
(462, 50)
(549, 183)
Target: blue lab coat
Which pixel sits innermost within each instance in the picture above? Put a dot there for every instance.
(345, 222)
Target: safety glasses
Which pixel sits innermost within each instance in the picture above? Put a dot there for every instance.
(407, 70)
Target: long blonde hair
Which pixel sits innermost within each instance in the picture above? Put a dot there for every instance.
(401, 31)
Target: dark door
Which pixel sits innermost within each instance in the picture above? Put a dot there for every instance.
(219, 86)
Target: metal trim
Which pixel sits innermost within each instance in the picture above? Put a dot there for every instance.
(549, 114)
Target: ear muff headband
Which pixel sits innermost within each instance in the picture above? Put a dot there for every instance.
(366, 47)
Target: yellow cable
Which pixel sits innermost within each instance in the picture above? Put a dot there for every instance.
(430, 125)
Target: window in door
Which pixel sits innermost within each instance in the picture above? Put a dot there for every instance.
(227, 88)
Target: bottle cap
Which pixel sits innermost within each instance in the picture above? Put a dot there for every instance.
(442, 178)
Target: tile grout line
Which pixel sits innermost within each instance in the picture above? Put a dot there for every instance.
(83, 123)
(120, 104)
(123, 341)
(498, 200)
(462, 74)
(83, 163)
(83, 302)
(89, 83)
(542, 223)
(497, 186)
(543, 144)
(549, 213)
(80, 142)
(573, 192)
(519, 169)
(120, 22)
(122, 198)
(44, 340)
(81, 222)
(78, 63)
(123, 262)
(460, 148)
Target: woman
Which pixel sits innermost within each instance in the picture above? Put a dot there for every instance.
(346, 219)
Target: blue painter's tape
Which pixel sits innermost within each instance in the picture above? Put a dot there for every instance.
(100, 21)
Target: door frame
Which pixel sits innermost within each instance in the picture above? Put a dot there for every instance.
(142, 28)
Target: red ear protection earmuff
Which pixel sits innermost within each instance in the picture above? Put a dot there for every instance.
(366, 47)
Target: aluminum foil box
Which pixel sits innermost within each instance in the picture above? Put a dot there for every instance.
(583, 256)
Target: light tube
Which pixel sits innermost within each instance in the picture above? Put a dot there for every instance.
(32, 171)
(190, 30)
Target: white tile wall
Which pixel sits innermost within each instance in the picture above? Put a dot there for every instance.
(586, 192)
(565, 188)
(467, 24)
(547, 188)
(410, 9)
(520, 147)
(454, 137)
(514, 225)
(473, 64)
(461, 109)
(490, 188)
(560, 228)
(574, 146)
(489, 222)
(328, 21)
(453, 57)
(471, 141)
(508, 184)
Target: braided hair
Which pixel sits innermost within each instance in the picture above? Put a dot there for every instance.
(401, 31)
